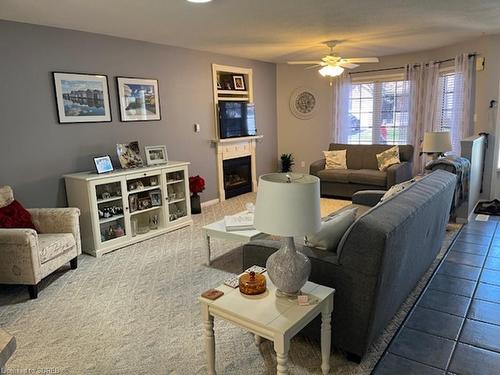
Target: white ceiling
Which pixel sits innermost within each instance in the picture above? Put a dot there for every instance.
(272, 30)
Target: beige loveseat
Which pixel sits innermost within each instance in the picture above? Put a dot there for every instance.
(362, 171)
(26, 256)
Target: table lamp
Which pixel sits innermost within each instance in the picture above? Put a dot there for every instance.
(288, 204)
(436, 143)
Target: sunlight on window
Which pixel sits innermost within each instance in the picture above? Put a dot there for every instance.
(378, 113)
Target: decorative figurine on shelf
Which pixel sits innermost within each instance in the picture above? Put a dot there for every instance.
(110, 234)
(196, 186)
(107, 213)
(140, 185)
(153, 181)
(153, 221)
(101, 214)
(119, 231)
(106, 195)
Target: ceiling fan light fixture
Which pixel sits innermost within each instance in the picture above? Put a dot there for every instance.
(199, 1)
(331, 71)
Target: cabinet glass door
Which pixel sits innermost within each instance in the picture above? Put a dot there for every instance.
(145, 203)
(110, 211)
(177, 195)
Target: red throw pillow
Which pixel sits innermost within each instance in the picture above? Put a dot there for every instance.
(15, 216)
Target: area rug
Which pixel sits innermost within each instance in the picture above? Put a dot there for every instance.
(135, 311)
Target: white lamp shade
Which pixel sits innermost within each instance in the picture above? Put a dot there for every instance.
(436, 142)
(288, 208)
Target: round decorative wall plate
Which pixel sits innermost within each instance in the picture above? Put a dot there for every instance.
(304, 103)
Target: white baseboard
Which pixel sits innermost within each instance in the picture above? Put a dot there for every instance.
(210, 202)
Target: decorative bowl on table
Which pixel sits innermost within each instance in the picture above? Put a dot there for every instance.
(252, 283)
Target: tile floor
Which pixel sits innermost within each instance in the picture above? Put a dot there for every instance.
(454, 328)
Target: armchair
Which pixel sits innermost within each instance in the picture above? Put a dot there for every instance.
(26, 257)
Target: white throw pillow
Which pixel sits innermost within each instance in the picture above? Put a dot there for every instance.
(396, 189)
(388, 157)
(332, 230)
(335, 159)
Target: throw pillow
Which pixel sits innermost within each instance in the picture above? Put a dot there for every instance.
(331, 231)
(396, 189)
(15, 216)
(335, 159)
(388, 157)
(6, 196)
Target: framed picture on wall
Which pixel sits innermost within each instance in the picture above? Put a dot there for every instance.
(82, 97)
(139, 99)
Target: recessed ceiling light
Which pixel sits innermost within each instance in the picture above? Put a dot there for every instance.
(199, 1)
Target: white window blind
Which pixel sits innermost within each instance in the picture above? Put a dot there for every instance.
(447, 101)
(378, 112)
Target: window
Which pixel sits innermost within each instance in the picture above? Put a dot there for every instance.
(446, 100)
(378, 112)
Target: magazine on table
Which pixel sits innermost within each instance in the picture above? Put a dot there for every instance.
(239, 222)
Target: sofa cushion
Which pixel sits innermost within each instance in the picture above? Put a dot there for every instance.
(54, 244)
(335, 159)
(387, 158)
(15, 215)
(335, 175)
(6, 196)
(332, 230)
(368, 177)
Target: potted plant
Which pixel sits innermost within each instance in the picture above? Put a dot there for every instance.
(287, 162)
(196, 186)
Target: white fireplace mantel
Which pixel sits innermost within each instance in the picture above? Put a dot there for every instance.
(232, 148)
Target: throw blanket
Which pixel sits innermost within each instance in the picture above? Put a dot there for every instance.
(461, 168)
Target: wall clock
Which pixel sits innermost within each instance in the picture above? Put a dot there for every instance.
(304, 103)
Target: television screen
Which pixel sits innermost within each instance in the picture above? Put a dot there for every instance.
(236, 119)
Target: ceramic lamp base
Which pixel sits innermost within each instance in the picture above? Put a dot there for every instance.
(288, 269)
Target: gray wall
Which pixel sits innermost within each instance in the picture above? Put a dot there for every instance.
(35, 150)
(318, 129)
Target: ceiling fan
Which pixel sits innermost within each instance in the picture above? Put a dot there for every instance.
(333, 65)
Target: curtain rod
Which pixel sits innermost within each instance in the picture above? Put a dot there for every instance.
(403, 67)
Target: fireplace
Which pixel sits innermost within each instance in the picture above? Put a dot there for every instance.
(237, 176)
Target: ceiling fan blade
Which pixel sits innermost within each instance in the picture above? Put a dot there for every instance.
(348, 65)
(362, 60)
(303, 62)
(314, 66)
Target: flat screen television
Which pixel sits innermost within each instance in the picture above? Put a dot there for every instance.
(236, 119)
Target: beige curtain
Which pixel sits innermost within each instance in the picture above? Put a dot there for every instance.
(341, 121)
(462, 123)
(424, 107)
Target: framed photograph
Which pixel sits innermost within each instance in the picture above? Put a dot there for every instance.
(129, 155)
(155, 197)
(81, 97)
(239, 82)
(133, 202)
(139, 99)
(144, 203)
(103, 164)
(156, 154)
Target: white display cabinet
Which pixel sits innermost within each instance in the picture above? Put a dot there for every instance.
(129, 205)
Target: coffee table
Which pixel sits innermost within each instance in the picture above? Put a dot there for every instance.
(218, 230)
(274, 318)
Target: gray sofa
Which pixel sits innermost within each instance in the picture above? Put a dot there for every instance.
(362, 172)
(379, 260)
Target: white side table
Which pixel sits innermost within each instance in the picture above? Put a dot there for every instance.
(270, 317)
(218, 230)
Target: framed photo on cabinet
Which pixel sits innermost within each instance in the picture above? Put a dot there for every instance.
(82, 97)
(139, 99)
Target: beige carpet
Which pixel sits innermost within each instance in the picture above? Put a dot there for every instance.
(135, 311)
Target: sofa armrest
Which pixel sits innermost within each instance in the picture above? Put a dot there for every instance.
(19, 256)
(398, 173)
(367, 197)
(317, 166)
(58, 220)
